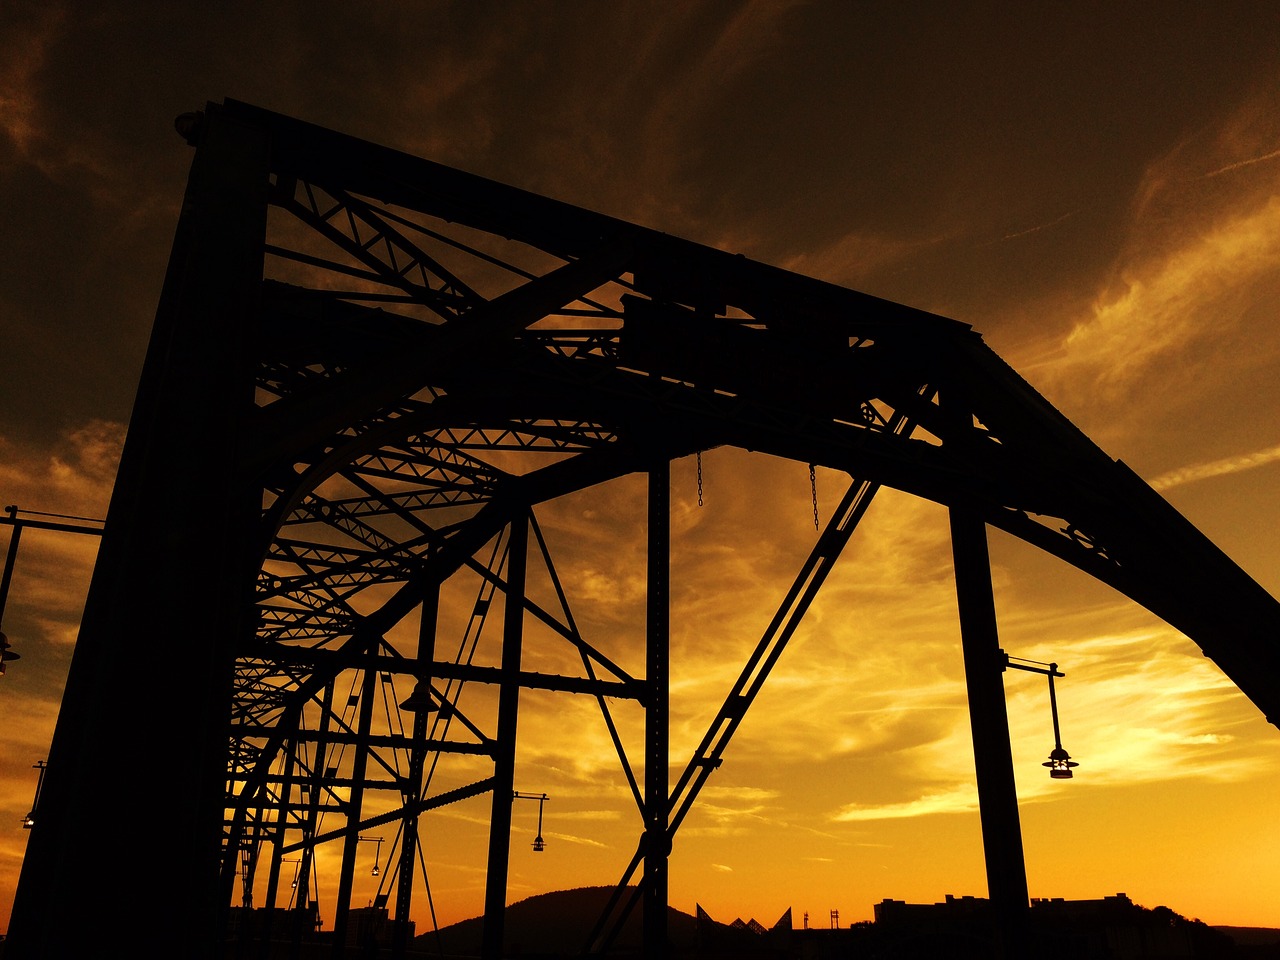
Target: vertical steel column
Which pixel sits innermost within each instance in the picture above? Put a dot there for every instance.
(656, 726)
(264, 930)
(504, 761)
(287, 779)
(169, 599)
(249, 849)
(315, 792)
(351, 842)
(989, 721)
(302, 913)
(413, 788)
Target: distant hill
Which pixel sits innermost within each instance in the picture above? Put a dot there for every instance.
(1253, 936)
(551, 924)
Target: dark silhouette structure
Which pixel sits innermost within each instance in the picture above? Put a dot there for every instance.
(1109, 928)
(367, 373)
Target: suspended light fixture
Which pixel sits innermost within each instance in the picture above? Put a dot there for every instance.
(29, 820)
(5, 653)
(421, 700)
(377, 855)
(538, 843)
(1059, 763)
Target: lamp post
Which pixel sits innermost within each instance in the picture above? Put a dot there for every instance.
(538, 843)
(11, 555)
(1059, 763)
(29, 820)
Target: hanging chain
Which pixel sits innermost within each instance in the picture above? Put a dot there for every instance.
(699, 478)
(813, 487)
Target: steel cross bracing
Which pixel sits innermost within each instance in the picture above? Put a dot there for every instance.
(709, 754)
(394, 368)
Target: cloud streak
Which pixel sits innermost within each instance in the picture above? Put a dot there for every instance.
(1163, 308)
(21, 61)
(1240, 164)
(1044, 226)
(958, 800)
(1216, 468)
(1179, 323)
(72, 476)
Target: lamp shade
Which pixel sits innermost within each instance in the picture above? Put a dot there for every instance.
(420, 701)
(1060, 764)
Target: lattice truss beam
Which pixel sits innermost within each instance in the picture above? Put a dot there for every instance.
(434, 357)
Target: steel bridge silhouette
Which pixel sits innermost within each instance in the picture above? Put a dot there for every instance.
(367, 373)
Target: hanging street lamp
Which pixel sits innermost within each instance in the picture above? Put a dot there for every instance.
(538, 843)
(377, 854)
(29, 820)
(1059, 763)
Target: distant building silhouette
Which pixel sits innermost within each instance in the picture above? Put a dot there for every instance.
(1114, 928)
(743, 937)
(959, 928)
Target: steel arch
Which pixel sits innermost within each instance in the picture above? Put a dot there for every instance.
(367, 373)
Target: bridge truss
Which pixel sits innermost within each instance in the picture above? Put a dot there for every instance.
(368, 374)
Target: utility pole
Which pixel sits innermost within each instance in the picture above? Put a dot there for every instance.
(11, 556)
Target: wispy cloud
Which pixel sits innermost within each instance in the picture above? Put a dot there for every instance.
(962, 799)
(1111, 721)
(1165, 306)
(73, 475)
(29, 110)
(1039, 227)
(21, 60)
(1216, 468)
(1191, 284)
(1131, 736)
(1239, 164)
(579, 841)
(854, 258)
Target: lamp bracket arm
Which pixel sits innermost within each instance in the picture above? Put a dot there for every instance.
(1030, 666)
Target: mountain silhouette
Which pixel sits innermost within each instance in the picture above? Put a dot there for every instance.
(553, 925)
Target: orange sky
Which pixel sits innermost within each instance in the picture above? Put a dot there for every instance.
(1097, 194)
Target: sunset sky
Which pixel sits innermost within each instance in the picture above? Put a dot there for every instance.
(1095, 189)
